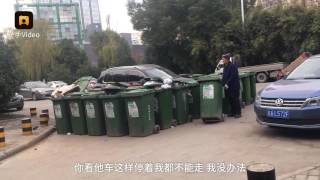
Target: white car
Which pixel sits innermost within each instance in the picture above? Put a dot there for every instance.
(56, 84)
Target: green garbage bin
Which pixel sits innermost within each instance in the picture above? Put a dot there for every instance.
(115, 115)
(194, 104)
(242, 94)
(62, 115)
(163, 108)
(140, 106)
(245, 78)
(94, 114)
(211, 98)
(196, 76)
(180, 103)
(253, 86)
(77, 114)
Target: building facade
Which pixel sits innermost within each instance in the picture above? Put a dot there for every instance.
(137, 48)
(68, 19)
(266, 4)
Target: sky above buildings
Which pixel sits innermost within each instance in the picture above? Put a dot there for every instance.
(116, 9)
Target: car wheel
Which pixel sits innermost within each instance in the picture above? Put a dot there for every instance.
(262, 77)
(34, 97)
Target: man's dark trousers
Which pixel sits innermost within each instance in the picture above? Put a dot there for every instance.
(234, 100)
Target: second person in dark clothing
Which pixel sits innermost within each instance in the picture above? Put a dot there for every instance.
(231, 83)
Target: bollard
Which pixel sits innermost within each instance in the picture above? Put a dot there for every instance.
(45, 111)
(26, 127)
(2, 137)
(33, 112)
(261, 171)
(44, 119)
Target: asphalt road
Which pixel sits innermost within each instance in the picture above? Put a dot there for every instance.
(233, 141)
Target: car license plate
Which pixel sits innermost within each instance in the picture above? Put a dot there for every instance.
(282, 114)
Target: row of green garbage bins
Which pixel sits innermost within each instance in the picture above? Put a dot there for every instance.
(142, 112)
(137, 112)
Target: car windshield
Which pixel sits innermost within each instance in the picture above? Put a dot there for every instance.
(36, 85)
(310, 69)
(159, 73)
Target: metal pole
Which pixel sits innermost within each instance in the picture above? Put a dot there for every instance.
(242, 12)
(261, 171)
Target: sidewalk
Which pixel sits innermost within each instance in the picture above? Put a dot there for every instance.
(16, 142)
(308, 173)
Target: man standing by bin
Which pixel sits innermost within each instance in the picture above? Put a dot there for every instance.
(231, 83)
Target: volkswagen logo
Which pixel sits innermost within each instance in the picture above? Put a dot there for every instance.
(279, 102)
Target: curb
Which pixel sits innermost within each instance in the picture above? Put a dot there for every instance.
(299, 171)
(24, 146)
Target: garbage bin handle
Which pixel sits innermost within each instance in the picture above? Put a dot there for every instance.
(223, 93)
(190, 98)
(155, 104)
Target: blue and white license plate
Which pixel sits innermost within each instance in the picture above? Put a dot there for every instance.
(275, 113)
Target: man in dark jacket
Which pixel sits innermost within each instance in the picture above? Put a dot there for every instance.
(231, 83)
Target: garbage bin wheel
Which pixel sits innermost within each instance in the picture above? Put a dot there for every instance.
(174, 123)
(243, 105)
(190, 118)
(222, 117)
(209, 121)
(156, 129)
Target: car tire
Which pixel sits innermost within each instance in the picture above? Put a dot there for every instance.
(34, 97)
(262, 78)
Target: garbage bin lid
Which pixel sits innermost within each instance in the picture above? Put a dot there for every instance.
(180, 86)
(75, 95)
(92, 95)
(196, 76)
(109, 96)
(137, 92)
(244, 74)
(210, 77)
(160, 89)
(192, 83)
(185, 80)
(111, 87)
(60, 98)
